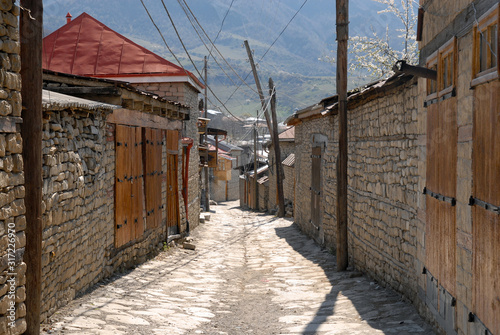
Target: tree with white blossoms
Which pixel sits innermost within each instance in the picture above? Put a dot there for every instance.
(374, 56)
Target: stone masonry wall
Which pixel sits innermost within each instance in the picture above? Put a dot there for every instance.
(383, 185)
(383, 188)
(12, 191)
(78, 209)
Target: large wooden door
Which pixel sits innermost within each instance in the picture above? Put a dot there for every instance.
(153, 174)
(172, 181)
(129, 223)
(486, 201)
(441, 192)
(316, 187)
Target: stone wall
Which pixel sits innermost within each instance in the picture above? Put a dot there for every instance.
(383, 185)
(306, 134)
(12, 191)
(263, 196)
(289, 186)
(78, 209)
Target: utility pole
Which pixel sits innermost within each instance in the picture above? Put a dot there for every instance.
(207, 184)
(259, 88)
(255, 166)
(31, 24)
(277, 153)
(274, 141)
(342, 39)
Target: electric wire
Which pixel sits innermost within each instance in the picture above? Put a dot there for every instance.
(223, 20)
(192, 62)
(213, 45)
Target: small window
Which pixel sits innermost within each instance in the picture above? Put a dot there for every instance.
(485, 55)
(432, 84)
(446, 68)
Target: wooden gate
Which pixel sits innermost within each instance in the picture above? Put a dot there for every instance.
(172, 181)
(441, 192)
(316, 187)
(153, 170)
(486, 202)
(129, 223)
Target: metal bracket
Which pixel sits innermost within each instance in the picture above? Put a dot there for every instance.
(489, 207)
(440, 197)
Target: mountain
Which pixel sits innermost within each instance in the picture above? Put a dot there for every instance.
(293, 61)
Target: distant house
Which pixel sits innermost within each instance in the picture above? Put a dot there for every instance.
(224, 181)
(112, 181)
(87, 47)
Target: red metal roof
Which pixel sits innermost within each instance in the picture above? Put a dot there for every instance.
(87, 47)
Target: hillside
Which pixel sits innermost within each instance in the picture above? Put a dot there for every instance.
(301, 78)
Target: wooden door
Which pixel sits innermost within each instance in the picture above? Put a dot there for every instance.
(172, 180)
(486, 201)
(441, 179)
(153, 170)
(316, 187)
(129, 206)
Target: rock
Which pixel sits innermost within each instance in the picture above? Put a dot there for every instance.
(188, 246)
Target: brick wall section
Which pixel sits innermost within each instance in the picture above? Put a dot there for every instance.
(322, 128)
(383, 176)
(12, 207)
(78, 209)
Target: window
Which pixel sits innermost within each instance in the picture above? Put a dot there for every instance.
(444, 62)
(486, 48)
(432, 84)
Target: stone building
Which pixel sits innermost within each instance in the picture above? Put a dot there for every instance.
(224, 178)
(423, 172)
(287, 150)
(459, 165)
(108, 175)
(12, 190)
(87, 47)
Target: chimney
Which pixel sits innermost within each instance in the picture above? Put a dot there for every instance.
(68, 18)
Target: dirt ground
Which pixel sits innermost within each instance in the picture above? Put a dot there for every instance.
(250, 274)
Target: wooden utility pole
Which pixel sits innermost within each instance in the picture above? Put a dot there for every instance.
(277, 153)
(259, 89)
(274, 141)
(207, 183)
(342, 38)
(255, 166)
(31, 24)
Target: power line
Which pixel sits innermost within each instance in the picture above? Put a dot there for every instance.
(191, 60)
(212, 44)
(223, 20)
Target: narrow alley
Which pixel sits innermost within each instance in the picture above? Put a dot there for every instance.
(250, 274)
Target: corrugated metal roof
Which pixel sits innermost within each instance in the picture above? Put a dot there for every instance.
(288, 134)
(87, 47)
(57, 101)
(289, 161)
(263, 180)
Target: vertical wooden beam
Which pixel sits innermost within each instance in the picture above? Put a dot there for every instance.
(277, 151)
(255, 167)
(342, 38)
(31, 24)
(207, 183)
(259, 89)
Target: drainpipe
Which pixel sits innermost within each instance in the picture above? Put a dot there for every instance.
(189, 142)
(402, 67)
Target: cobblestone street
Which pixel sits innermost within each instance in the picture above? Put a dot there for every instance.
(250, 274)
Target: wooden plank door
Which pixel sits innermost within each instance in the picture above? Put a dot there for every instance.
(152, 168)
(129, 206)
(486, 196)
(441, 179)
(172, 180)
